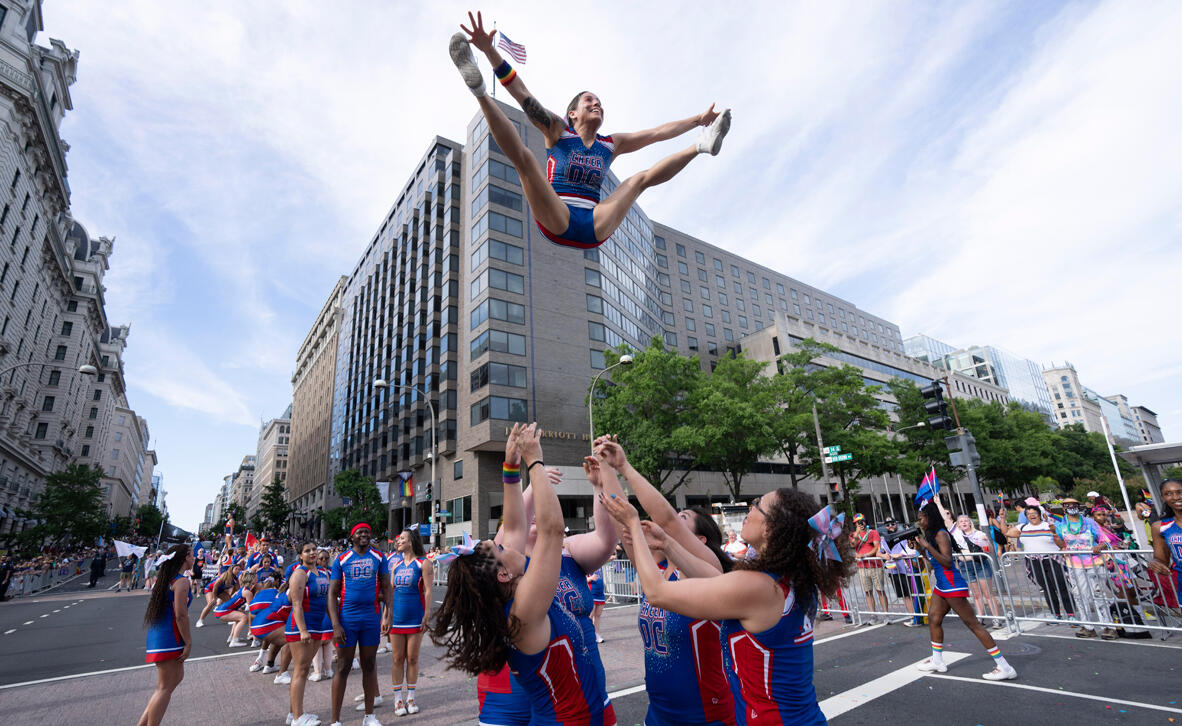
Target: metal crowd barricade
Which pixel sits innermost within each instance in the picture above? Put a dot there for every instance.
(31, 583)
(441, 569)
(1114, 589)
(620, 584)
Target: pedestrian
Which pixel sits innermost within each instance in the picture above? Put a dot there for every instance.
(97, 565)
(127, 569)
(169, 640)
(359, 611)
(949, 592)
(1081, 536)
(735, 547)
(975, 564)
(412, 577)
(599, 598)
(867, 544)
(902, 567)
(1036, 538)
(150, 569)
(230, 611)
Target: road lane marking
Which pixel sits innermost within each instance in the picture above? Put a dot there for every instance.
(11, 630)
(626, 691)
(58, 610)
(1138, 643)
(248, 651)
(28, 622)
(835, 706)
(858, 630)
(46, 615)
(1058, 692)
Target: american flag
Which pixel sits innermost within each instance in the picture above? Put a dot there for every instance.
(513, 49)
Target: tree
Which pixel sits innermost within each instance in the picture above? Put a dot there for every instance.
(120, 526)
(732, 411)
(921, 449)
(1080, 454)
(273, 507)
(798, 385)
(1172, 472)
(363, 504)
(148, 519)
(70, 510)
(650, 399)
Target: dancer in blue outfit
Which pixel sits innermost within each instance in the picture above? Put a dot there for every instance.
(169, 638)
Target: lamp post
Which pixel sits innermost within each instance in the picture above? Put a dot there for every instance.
(86, 370)
(382, 384)
(624, 360)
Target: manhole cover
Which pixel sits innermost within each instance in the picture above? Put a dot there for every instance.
(1021, 649)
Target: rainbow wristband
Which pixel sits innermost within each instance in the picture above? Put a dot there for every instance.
(511, 474)
(505, 73)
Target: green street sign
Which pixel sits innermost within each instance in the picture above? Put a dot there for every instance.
(843, 457)
(832, 449)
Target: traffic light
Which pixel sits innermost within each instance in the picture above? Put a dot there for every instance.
(935, 406)
(962, 450)
(429, 491)
(835, 491)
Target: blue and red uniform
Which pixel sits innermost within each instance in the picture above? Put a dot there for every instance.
(947, 581)
(315, 609)
(164, 637)
(1171, 532)
(598, 592)
(279, 609)
(290, 569)
(771, 673)
(259, 606)
(576, 173)
(683, 671)
(565, 679)
(235, 601)
(360, 607)
(410, 598)
(503, 701)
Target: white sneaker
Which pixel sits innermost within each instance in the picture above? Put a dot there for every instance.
(377, 701)
(254, 642)
(384, 649)
(315, 677)
(283, 678)
(711, 139)
(399, 708)
(255, 667)
(1001, 674)
(359, 698)
(461, 55)
(356, 664)
(199, 624)
(239, 643)
(598, 638)
(308, 719)
(370, 720)
(928, 666)
(271, 669)
(411, 706)
(290, 718)
(329, 673)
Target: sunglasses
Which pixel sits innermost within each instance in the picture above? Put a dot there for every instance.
(755, 505)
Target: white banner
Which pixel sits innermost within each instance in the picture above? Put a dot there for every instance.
(123, 549)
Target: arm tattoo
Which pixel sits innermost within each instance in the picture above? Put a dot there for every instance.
(537, 112)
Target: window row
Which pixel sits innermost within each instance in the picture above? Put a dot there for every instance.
(497, 250)
(498, 374)
(498, 341)
(498, 280)
(496, 195)
(497, 223)
(499, 408)
(497, 310)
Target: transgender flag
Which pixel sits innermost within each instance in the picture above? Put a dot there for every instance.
(928, 489)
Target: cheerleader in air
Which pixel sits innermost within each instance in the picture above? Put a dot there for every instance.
(565, 197)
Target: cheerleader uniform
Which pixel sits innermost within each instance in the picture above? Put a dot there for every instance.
(947, 581)
(315, 609)
(237, 600)
(683, 669)
(565, 679)
(1171, 532)
(598, 593)
(164, 637)
(503, 701)
(409, 597)
(259, 606)
(771, 673)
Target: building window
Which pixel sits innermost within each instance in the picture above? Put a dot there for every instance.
(55, 377)
(597, 360)
(42, 430)
(591, 277)
(47, 403)
(691, 324)
(707, 311)
(86, 449)
(681, 250)
(499, 408)
(686, 287)
(700, 258)
(457, 469)
(67, 327)
(693, 343)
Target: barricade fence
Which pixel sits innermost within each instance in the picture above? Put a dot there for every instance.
(31, 583)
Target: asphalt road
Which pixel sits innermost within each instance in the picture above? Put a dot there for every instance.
(862, 675)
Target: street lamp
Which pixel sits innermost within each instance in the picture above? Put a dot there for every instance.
(86, 370)
(919, 425)
(382, 384)
(624, 360)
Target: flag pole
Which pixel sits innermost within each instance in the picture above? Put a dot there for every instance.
(1138, 532)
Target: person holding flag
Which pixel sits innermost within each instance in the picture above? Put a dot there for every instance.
(565, 197)
(949, 589)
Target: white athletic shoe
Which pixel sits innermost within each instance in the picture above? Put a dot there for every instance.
(359, 698)
(928, 666)
(356, 664)
(711, 139)
(254, 642)
(290, 718)
(399, 708)
(461, 55)
(283, 678)
(315, 677)
(377, 701)
(308, 719)
(598, 638)
(411, 706)
(1001, 674)
(199, 624)
(384, 649)
(255, 667)
(240, 643)
(271, 669)
(370, 720)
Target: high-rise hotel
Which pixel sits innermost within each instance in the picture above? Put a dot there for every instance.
(460, 296)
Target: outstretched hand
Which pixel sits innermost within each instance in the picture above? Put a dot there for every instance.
(653, 534)
(593, 471)
(620, 509)
(529, 443)
(609, 451)
(512, 456)
(706, 117)
(478, 36)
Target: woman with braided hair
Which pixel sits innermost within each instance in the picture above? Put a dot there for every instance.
(169, 639)
(496, 612)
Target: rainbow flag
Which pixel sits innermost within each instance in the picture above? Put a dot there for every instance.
(928, 489)
(1148, 496)
(408, 484)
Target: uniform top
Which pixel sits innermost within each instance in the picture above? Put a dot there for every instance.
(406, 576)
(262, 600)
(575, 171)
(683, 671)
(572, 592)
(237, 600)
(773, 670)
(1171, 532)
(166, 613)
(361, 577)
(290, 569)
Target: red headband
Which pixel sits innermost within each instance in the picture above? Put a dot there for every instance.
(358, 526)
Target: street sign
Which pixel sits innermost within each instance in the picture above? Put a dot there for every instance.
(425, 530)
(832, 450)
(839, 457)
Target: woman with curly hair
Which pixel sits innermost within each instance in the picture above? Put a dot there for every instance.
(764, 604)
(949, 592)
(169, 639)
(497, 612)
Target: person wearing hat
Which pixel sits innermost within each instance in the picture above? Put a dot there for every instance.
(1081, 536)
(867, 545)
(901, 566)
(1096, 499)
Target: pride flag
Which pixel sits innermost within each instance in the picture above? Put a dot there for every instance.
(408, 484)
(928, 489)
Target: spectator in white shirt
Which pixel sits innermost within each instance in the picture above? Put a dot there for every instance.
(734, 546)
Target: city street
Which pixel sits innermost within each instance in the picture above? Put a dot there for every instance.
(78, 658)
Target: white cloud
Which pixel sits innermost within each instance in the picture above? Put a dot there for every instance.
(176, 374)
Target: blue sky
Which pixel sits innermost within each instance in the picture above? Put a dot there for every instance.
(986, 173)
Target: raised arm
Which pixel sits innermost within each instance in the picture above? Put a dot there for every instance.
(593, 549)
(659, 509)
(535, 591)
(428, 591)
(687, 563)
(548, 122)
(627, 142)
(514, 531)
(1004, 528)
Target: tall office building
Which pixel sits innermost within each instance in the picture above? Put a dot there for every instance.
(1072, 404)
(1147, 427)
(270, 459)
(459, 300)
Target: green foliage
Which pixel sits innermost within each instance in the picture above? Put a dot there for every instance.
(644, 404)
(335, 526)
(232, 510)
(734, 408)
(1172, 472)
(921, 449)
(1045, 485)
(148, 519)
(71, 508)
(273, 507)
(120, 526)
(365, 504)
